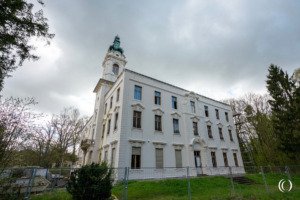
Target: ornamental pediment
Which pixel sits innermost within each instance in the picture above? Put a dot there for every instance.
(208, 122)
(136, 143)
(178, 146)
(195, 118)
(175, 115)
(159, 144)
(192, 95)
(229, 127)
(138, 107)
(220, 125)
(158, 111)
(117, 108)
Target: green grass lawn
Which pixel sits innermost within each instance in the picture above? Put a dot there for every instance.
(201, 188)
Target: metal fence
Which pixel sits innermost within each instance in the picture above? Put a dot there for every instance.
(183, 183)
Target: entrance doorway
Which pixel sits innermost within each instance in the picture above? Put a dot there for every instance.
(198, 162)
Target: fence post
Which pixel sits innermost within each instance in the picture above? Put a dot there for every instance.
(264, 179)
(125, 190)
(287, 171)
(189, 183)
(30, 183)
(231, 180)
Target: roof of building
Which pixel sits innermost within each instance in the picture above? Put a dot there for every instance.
(173, 86)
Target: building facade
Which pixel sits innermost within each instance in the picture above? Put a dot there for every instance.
(155, 128)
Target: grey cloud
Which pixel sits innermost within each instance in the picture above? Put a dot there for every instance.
(211, 47)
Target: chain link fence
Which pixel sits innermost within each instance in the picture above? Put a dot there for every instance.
(167, 183)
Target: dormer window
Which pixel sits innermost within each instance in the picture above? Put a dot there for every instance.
(116, 69)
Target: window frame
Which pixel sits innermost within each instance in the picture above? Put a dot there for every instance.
(195, 128)
(225, 158)
(193, 106)
(217, 114)
(137, 119)
(176, 131)
(226, 117)
(236, 162)
(214, 159)
(157, 98)
(108, 127)
(138, 90)
(118, 95)
(206, 111)
(116, 121)
(174, 103)
(209, 131)
(157, 122)
(136, 158)
(159, 164)
(221, 133)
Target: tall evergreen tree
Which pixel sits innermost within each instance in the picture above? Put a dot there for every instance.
(285, 105)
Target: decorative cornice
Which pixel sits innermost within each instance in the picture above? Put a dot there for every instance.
(158, 111)
(229, 127)
(195, 118)
(208, 122)
(176, 115)
(220, 125)
(138, 107)
(136, 143)
(102, 82)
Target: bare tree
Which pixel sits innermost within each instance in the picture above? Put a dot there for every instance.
(68, 126)
(17, 122)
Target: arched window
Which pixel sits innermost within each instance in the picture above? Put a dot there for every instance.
(116, 69)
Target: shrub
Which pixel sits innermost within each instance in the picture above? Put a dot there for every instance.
(91, 182)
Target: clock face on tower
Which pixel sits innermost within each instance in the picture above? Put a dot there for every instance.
(115, 69)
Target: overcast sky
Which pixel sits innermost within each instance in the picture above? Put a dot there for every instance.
(220, 49)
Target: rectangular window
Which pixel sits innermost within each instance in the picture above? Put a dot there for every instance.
(193, 109)
(225, 159)
(136, 158)
(103, 130)
(137, 119)
(221, 133)
(209, 131)
(108, 127)
(230, 135)
(235, 160)
(174, 102)
(105, 108)
(159, 155)
(157, 98)
(111, 102)
(226, 117)
(137, 92)
(116, 121)
(178, 158)
(217, 114)
(113, 152)
(213, 159)
(176, 125)
(158, 123)
(105, 156)
(118, 94)
(195, 128)
(206, 111)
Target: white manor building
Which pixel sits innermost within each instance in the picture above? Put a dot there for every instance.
(155, 128)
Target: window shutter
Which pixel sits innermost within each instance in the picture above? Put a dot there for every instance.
(178, 158)
(159, 158)
(136, 150)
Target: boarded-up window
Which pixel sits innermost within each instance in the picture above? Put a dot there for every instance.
(235, 160)
(225, 159)
(213, 159)
(136, 158)
(178, 158)
(113, 153)
(159, 154)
